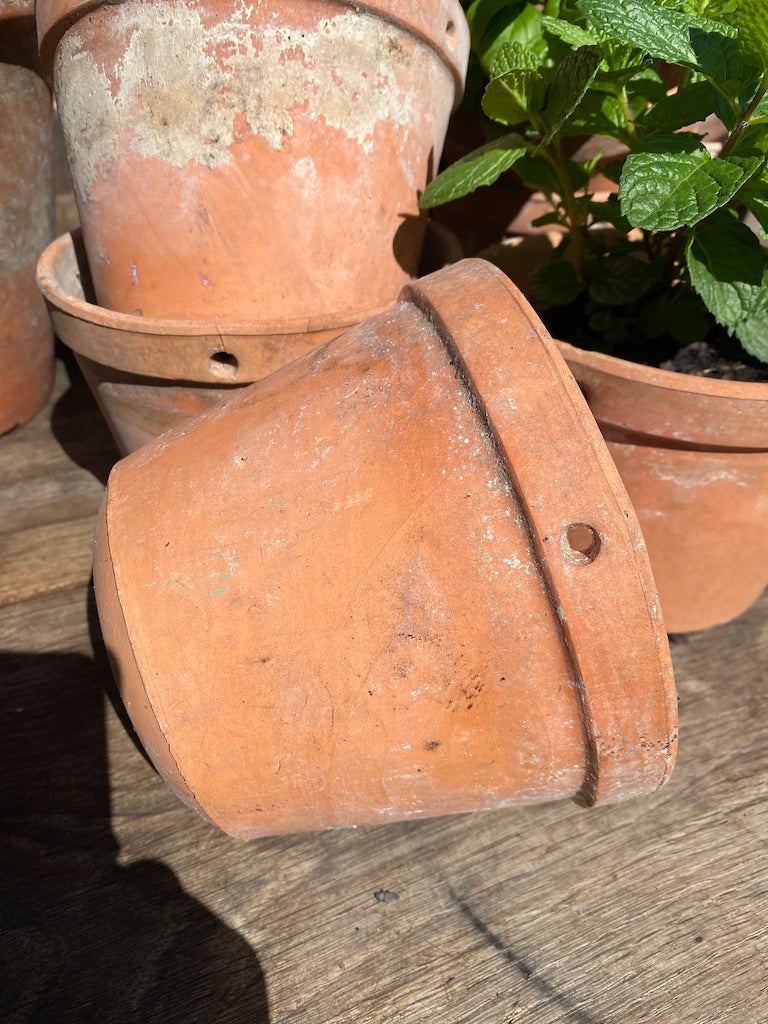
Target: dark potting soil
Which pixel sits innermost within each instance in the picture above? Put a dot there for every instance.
(702, 360)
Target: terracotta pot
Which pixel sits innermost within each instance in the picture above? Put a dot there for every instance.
(26, 226)
(693, 455)
(384, 582)
(149, 374)
(255, 161)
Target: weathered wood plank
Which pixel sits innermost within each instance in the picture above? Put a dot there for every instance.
(44, 558)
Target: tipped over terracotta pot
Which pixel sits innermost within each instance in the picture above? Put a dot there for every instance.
(397, 578)
(254, 161)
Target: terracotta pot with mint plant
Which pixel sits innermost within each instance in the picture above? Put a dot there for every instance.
(656, 279)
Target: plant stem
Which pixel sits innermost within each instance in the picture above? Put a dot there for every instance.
(574, 218)
(744, 119)
(628, 122)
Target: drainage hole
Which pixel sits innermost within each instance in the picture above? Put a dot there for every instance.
(224, 364)
(581, 543)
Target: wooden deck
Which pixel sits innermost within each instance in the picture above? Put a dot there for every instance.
(119, 904)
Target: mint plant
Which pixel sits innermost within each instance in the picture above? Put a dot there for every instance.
(668, 257)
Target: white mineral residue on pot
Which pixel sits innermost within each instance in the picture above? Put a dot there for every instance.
(342, 71)
(305, 177)
(693, 475)
(89, 118)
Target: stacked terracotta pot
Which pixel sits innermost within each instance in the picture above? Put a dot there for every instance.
(26, 219)
(247, 178)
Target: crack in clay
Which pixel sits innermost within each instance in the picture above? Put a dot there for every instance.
(219, 84)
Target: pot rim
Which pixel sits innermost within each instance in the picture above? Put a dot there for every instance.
(669, 380)
(709, 420)
(442, 25)
(212, 350)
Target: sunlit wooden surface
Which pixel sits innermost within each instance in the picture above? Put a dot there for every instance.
(119, 904)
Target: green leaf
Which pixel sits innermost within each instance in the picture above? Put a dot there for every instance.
(678, 312)
(727, 265)
(571, 79)
(515, 96)
(514, 57)
(755, 197)
(519, 23)
(758, 206)
(569, 33)
(481, 13)
(725, 63)
(538, 174)
(636, 72)
(618, 280)
(555, 283)
(751, 18)
(608, 211)
(672, 181)
(597, 114)
(661, 31)
(753, 335)
(480, 167)
(615, 328)
(760, 115)
(680, 109)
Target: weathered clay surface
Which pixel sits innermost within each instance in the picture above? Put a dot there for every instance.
(26, 227)
(194, 115)
(693, 455)
(26, 217)
(238, 161)
(382, 582)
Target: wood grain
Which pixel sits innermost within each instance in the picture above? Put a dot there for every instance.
(120, 904)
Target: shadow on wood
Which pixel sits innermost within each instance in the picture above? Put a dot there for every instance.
(79, 428)
(84, 937)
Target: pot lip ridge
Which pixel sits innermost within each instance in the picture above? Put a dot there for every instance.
(205, 350)
(55, 292)
(648, 406)
(442, 25)
(174, 349)
(667, 380)
(529, 403)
